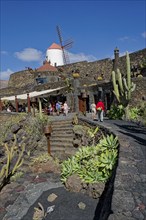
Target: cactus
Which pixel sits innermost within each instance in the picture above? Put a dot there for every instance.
(7, 171)
(123, 87)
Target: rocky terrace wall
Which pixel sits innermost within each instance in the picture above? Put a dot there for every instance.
(136, 59)
(21, 79)
(140, 91)
(91, 69)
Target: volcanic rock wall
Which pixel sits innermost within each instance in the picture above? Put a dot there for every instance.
(21, 79)
(136, 59)
(140, 92)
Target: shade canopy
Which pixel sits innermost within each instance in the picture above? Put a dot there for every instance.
(32, 94)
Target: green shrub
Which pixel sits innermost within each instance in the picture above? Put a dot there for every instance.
(116, 112)
(92, 163)
(134, 113)
(138, 113)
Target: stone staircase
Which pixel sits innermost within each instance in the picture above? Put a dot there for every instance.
(61, 140)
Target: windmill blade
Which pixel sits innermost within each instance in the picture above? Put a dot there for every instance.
(67, 45)
(64, 56)
(67, 57)
(59, 35)
(61, 43)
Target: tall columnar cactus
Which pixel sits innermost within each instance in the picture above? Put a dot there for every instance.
(123, 87)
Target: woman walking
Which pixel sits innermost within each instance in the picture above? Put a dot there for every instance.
(100, 110)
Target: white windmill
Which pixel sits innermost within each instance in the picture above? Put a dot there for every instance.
(56, 54)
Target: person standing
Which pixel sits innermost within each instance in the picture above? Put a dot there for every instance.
(93, 110)
(100, 110)
(65, 108)
(58, 107)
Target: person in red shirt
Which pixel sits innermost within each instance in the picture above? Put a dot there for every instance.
(100, 110)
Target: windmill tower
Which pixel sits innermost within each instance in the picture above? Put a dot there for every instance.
(54, 55)
(64, 45)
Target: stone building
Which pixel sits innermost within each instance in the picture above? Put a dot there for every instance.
(81, 83)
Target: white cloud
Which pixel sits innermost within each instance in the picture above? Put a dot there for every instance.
(5, 74)
(143, 34)
(29, 54)
(124, 38)
(80, 57)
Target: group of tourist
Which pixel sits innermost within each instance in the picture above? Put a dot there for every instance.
(62, 108)
(98, 109)
(50, 109)
(58, 108)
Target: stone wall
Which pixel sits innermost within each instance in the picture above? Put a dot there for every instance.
(21, 79)
(140, 91)
(136, 59)
(90, 70)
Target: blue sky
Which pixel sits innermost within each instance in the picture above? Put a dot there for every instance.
(28, 28)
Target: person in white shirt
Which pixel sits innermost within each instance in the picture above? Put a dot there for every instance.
(93, 110)
(65, 108)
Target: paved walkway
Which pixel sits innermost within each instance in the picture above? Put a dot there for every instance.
(129, 195)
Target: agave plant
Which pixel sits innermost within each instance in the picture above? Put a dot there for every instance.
(92, 163)
(108, 142)
(92, 133)
(108, 159)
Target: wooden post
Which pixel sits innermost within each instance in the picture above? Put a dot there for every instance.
(49, 147)
(16, 103)
(28, 103)
(84, 104)
(47, 131)
(40, 107)
(33, 108)
(33, 101)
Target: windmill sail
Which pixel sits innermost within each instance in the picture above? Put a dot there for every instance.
(67, 45)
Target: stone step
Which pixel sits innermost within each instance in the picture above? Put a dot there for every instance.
(56, 148)
(62, 126)
(61, 121)
(61, 139)
(62, 131)
(60, 135)
(68, 151)
(60, 144)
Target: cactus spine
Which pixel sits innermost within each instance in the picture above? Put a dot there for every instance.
(123, 86)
